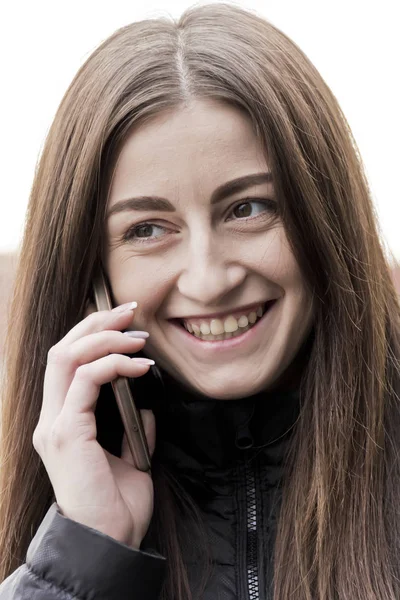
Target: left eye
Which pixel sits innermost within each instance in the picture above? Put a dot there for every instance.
(252, 208)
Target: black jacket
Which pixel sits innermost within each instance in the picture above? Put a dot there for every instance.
(227, 454)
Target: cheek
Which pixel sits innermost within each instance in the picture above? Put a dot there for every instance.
(276, 261)
(281, 268)
(133, 279)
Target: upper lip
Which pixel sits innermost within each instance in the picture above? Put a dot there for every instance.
(241, 309)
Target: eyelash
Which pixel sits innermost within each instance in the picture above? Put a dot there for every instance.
(270, 204)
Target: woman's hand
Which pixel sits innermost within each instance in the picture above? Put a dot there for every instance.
(91, 485)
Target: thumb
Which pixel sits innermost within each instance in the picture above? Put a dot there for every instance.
(149, 426)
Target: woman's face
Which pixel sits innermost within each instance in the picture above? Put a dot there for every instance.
(203, 256)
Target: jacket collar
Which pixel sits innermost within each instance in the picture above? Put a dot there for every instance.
(198, 430)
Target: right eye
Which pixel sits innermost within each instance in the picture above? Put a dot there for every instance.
(144, 232)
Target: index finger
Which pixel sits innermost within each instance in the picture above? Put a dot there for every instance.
(117, 318)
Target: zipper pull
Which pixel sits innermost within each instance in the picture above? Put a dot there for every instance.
(244, 439)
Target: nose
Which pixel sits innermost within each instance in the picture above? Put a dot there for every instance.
(208, 276)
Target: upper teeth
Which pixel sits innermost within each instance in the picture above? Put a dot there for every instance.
(220, 326)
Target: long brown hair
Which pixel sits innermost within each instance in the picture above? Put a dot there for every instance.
(339, 530)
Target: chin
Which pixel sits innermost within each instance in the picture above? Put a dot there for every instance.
(232, 390)
(225, 383)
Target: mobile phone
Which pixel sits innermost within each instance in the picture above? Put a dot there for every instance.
(130, 415)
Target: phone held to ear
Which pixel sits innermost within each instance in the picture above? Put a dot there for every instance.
(130, 415)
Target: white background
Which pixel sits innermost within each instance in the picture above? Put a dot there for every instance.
(354, 44)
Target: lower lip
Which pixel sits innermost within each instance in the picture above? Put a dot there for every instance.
(229, 344)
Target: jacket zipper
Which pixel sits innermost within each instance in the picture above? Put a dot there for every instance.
(251, 521)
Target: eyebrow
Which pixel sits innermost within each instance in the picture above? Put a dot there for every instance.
(162, 204)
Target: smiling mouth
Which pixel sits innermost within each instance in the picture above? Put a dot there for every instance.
(229, 327)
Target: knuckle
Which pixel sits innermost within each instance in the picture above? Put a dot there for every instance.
(96, 317)
(83, 372)
(92, 317)
(38, 439)
(57, 355)
(59, 434)
(117, 360)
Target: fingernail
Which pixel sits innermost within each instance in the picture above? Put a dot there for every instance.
(144, 361)
(124, 307)
(142, 335)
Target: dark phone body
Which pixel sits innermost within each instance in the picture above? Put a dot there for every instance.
(130, 416)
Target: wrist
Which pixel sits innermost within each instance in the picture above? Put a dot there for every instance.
(112, 530)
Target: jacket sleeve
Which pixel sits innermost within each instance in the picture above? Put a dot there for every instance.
(69, 561)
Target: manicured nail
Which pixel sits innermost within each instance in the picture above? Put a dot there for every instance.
(144, 361)
(125, 307)
(142, 335)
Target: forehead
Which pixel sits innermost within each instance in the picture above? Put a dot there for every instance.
(196, 147)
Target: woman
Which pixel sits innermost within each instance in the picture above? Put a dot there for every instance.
(208, 168)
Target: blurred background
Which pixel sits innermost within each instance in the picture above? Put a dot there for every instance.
(353, 43)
